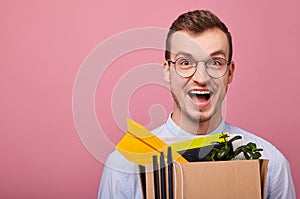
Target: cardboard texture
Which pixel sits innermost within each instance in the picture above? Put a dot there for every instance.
(236, 179)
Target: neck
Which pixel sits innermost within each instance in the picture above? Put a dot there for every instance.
(197, 127)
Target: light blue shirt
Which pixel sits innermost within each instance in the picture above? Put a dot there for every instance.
(121, 179)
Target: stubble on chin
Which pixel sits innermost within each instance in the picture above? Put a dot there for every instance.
(184, 115)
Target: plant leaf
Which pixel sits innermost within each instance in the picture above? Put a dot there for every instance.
(238, 151)
(252, 145)
(237, 137)
(221, 153)
(258, 149)
(246, 156)
(246, 149)
(256, 155)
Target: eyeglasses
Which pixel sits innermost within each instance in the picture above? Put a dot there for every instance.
(214, 67)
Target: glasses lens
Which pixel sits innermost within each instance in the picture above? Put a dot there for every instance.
(216, 67)
(185, 67)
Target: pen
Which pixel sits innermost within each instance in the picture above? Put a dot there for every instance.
(170, 172)
(162, 176)
(155, 177)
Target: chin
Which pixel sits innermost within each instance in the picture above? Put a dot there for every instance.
(199, 116)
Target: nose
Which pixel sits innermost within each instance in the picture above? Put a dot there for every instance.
(200, 75)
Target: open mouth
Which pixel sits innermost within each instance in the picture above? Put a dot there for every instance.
(199, 96)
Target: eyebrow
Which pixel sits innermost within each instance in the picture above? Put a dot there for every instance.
(215, 53)
(184, 54)
(218, 52)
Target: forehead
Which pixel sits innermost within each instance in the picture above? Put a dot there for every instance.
(202, 45)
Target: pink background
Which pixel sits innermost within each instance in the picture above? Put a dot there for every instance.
(43, 44)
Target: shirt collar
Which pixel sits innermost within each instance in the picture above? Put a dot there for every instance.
(176, 131)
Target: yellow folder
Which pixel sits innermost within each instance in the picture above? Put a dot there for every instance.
(139, 145)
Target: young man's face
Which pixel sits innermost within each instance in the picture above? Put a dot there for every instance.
(198, 98)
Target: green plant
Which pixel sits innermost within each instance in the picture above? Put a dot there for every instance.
(223, 149)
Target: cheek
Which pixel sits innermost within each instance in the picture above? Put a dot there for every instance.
(177, 84)
(220, 86)
(226, 82)
(223, 89)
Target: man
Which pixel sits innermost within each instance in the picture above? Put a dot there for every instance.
(199, 68)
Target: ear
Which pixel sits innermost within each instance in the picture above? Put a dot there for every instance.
(166, 71)
(231, 72)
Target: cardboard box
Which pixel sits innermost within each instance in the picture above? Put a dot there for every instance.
(238, 179)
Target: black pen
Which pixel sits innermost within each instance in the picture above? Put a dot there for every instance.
(155, 177)
(170, 172)
(162, 176)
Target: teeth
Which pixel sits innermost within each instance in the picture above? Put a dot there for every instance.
(200, 92)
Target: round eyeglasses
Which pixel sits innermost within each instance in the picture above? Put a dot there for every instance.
(215, 67)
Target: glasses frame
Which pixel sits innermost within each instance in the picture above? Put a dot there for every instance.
(196, 66)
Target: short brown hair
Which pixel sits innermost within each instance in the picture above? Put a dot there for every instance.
(196, 22)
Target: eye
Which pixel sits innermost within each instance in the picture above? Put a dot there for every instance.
(183, 61)
(216, 62)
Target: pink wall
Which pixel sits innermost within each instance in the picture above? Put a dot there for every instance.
(44, 43)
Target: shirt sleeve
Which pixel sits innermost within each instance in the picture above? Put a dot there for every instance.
(120, 179)
(111, 185)
(281, 181)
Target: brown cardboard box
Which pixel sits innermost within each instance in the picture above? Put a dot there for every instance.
(238, 179)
